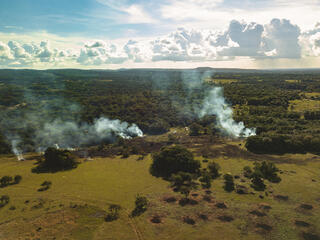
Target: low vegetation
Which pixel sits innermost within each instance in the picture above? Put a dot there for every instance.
(45, 186)
(8, 180)
(141, 204)
(113, 213)
(4, 200)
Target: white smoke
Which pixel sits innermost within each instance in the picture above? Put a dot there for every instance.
(16, 151)
(215, 104)
(70, 134)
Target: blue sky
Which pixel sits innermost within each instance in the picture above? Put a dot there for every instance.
(160, 33)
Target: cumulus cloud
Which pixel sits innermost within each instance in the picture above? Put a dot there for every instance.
(310, 41)
(100, 52)
(183, 45)
(278, 39)
(15, 54)
(247, 39)
(282, 37)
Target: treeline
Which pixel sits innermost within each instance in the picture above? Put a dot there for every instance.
(280, 144)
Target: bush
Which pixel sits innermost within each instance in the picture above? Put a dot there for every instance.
(4, 200)
(45, 186)
(257, 183)
(172, 160)
(228, 182)
(125, 153)
(17, 179)
(183, 183)
(141, 206)
(214, 170)
(5, 181)
(247, 172)
(113, 213)
(267, 170)
(205, 179)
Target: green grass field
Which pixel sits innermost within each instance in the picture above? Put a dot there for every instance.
(304, 105)
(74, 206)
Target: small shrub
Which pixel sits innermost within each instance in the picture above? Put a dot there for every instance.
(183, 183)
(12, 208)
(113, 213)
(225, 218)
(189, 220)
(156, 219)
(228, 182)
(125, 153)
(141, 206)
(4, 200)
(267, 170)
(205, 179)
(214, 169)
(45, 186)
(170, 199)
(5, 181)
(247, 172)
(17, 179)
(257, 183)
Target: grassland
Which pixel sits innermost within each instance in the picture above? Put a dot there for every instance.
(75, 205)
(221, 81)
(304, 105)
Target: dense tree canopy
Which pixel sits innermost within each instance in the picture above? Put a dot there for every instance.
(172, 160)
(56, 160)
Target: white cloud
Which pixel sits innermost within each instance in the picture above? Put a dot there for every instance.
(127, 13)
(5, 53)
(252, 42)
(311, 42)
(217, 14)
(246, 38)
(100, 52)
(14, 54)
(283, 37)
(136, 14)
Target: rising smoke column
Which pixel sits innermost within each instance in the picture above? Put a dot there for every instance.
(16, 150)
(215, 104)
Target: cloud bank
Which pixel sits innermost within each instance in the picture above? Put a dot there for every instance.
(279, 39)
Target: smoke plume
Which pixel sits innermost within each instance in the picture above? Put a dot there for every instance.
(71, 135)
(16, 151)
(214, 103)
(47, 120)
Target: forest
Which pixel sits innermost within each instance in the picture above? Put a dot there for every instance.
(283, 106)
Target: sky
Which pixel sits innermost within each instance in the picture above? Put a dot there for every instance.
(110, 34)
